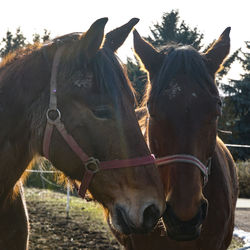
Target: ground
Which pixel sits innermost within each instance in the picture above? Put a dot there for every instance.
(50, 229)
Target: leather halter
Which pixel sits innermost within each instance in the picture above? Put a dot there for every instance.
(186, 158)
(91, 164)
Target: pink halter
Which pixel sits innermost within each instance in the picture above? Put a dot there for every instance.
(185, 158)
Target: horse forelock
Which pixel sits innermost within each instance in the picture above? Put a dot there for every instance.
(111, 75)
(182, 60)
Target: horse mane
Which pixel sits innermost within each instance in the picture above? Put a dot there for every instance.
(19, 53)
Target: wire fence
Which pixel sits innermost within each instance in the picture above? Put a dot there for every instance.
(237, 146)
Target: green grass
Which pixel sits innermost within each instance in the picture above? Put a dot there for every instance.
(78, 206)
(51, 229)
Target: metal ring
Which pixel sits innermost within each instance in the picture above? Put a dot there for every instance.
(58, 116)
(92, 165)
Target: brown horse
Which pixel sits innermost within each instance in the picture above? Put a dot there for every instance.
(184, 106)
(92, 108)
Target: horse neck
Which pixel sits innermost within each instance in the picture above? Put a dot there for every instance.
(21, 87)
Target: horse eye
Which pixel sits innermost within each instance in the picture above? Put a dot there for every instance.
(103, 112)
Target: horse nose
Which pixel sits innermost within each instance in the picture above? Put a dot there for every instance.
(151, 215)
(133, 224)
(122, 220)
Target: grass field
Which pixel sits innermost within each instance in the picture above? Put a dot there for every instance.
(84, 229)
(51, 230)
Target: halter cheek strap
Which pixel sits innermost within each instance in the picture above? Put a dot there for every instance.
(91, 165)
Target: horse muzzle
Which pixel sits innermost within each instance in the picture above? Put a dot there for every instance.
(184, 230)
(124, 223)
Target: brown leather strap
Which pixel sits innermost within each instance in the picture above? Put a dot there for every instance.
(186, 158)
(52, 104)
(47, 139)
(71, 142)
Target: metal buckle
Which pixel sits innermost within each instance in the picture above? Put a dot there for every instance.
(56, 113)
(92, 165)
(209, 164)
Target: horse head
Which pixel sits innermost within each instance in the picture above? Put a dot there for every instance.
(75, 106)
(184, 106)
(96, 103)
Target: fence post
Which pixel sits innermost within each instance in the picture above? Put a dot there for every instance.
(68, 198)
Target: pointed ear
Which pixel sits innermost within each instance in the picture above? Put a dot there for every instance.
(115, 38)
(216, 54)
(91, 41)
(147, 53)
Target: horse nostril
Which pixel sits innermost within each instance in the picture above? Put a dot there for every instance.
(122, 220)
(204, 208)
(151, 215)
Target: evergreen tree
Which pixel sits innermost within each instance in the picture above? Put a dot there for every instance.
(12, 42)
(15, 41)
(169, 31)
(172, 30)
(37, 38)
(238, 99)
(137, 77)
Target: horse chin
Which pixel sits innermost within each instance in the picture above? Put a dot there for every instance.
(121, 228)
(193, 235)
(181, 231)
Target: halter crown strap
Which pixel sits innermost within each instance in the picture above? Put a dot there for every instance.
(52, 104)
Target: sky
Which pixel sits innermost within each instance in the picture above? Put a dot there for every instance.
(65, 16)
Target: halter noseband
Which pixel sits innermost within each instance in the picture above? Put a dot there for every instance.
(91, 164)
(185, 158)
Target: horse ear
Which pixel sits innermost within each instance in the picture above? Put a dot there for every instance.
(115, 38)
(91, 41)
(146, 53)
(216, 54)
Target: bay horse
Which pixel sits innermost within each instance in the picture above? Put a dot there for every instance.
(68, 100)
(199, 173)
